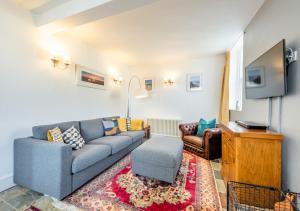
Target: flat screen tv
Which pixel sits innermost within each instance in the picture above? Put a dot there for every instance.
(266, 76)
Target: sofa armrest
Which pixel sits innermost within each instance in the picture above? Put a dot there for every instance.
(188, 128)
(43, 166)
(212, 143)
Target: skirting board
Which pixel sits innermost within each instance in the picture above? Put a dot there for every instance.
(6, 182)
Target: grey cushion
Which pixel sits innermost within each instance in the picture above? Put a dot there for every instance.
(160, 151)
(91, 129)
(116, 143)
(40, 132)
(89, 155)
(135, 135)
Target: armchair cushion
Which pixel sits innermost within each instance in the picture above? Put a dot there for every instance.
(195, 140)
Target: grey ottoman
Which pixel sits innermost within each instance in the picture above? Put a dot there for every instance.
(158, 158)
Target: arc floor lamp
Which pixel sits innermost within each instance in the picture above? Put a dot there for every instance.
(138, 93)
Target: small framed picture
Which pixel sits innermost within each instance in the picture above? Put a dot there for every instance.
(194, 82)
(255, 77)
(90, 78)
(149, 84)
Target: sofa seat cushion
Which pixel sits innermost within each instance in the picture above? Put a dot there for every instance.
(116, 143)
(135, 135)
(194, 140)
(89, 155)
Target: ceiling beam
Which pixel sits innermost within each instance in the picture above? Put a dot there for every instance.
(77, 12)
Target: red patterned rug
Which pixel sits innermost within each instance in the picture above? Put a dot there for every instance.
(118, 189)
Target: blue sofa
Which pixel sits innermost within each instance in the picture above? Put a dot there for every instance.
(57, 170)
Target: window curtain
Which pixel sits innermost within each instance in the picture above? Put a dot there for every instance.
(224, 102)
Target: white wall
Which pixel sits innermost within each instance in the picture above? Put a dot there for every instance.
(33, 93)
(276, 20)
(175, 102)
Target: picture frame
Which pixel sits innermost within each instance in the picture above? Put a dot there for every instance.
(255, 77)
(149, 84)
(194, 82)
(89, 78)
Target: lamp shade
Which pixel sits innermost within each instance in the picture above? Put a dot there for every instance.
(141, 93)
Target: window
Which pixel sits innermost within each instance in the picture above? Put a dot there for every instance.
(236, 76)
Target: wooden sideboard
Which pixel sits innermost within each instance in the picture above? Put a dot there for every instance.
(251, 156)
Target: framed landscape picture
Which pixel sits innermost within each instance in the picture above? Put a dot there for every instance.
(89, 78)
(194, 82)
(149, 84)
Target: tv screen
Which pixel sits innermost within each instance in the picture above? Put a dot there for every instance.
(266, 76)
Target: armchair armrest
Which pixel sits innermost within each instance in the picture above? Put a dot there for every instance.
(43, 166)
(212, 143)
(188, 128)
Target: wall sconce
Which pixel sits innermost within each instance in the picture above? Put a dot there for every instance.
(169, 82)
(60, 62)
(118, 81)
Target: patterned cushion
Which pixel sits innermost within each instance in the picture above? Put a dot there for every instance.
(55, 135)
(128, 123)
(122, 124)
(136, 124)
(110, 127)
(73, 138)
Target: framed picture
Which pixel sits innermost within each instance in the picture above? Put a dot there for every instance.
(149, 84)
(255, 77)
(194, 82)
(89, 78)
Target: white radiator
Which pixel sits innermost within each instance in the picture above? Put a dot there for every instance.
(166, 127)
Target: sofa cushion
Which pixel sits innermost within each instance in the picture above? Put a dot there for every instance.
(135, 135)
(40, 132)
(91, 129)
(73, 138)
(195, 140)
(89, 155)
(116, 143)
(110, 127)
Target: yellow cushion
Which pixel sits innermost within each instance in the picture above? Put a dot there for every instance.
(122, 124)
(55, 135)
(136, 124)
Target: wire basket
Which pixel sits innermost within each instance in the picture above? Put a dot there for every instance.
(246, 197)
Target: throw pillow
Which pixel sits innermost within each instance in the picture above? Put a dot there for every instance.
(136, 124)
(110, 127)
(55, 135)
(128, 123)
(204, 124)
(122, 124)
(73, 138)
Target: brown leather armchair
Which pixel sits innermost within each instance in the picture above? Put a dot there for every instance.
(208, 146)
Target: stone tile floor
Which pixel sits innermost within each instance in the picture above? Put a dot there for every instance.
(216, 165)
(21, 199)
